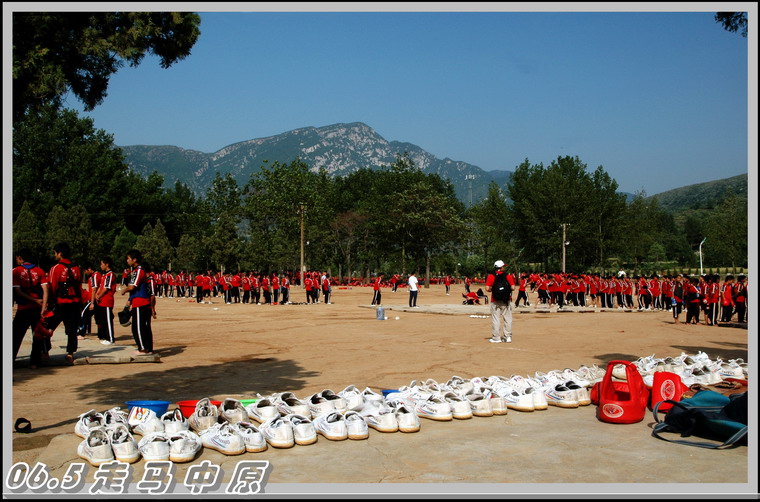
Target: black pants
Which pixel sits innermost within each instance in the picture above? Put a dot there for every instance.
(524, 296)
(692, 312)
(285, 295)
(376, 297)
(70, 314)
(741, 312)
(326, 295)
(141, 329)
(676, 310)
(728, 312)
(199, 294)
(276, 295)
(246, 295)
(24, 320)
(104, 320)
(413, 298)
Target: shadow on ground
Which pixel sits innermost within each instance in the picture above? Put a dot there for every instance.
(243, 377)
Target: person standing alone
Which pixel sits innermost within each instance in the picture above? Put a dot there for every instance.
(413, 290)
(500, 288)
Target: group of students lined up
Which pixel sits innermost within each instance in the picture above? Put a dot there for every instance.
(705, 294)
(240, 287)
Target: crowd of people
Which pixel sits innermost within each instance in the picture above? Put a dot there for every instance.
(45, 300)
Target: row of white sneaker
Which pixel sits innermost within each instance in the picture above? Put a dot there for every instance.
(693, 369)
(462, 398)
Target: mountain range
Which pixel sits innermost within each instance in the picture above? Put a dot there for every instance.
(342, 149)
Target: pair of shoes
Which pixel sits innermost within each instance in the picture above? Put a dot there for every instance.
(174, 421)
(224, 438)
(182, 446)
(332, 425)
(205, 416)
(144, 421)
(380, 417)
(233, 411)
(263, 409)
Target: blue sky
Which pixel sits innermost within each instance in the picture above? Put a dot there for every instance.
(659, 99)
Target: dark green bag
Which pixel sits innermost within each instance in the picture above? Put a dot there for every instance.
(707, 414)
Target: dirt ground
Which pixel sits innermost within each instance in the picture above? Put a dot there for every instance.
(240, 350)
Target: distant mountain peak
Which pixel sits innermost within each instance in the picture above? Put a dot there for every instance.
(340, 149)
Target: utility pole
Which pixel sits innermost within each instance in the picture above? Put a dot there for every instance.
(564, 244)
(701, 272)
(303, 269)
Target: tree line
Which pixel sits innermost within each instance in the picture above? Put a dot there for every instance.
(71, 183)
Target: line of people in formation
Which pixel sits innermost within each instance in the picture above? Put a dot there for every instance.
(241, 287)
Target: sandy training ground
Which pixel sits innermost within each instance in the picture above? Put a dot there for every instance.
(240, 350)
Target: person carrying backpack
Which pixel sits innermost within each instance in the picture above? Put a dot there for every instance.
(500, 287)
(66, 292)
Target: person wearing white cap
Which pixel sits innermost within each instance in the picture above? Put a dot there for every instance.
(500, 287)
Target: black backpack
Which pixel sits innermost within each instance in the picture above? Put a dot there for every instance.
(501, 288)
(70, 285)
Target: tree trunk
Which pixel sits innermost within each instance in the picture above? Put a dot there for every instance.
(427, 270)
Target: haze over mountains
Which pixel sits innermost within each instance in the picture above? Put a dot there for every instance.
(340, 149)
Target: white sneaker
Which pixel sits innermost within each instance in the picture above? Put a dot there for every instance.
(174, 421)
(96, 447)
(88, 421)
(106, 342)
(460, 385)
(144, 421)
(288, 404)
(304, 432)
(252, 437)
(338, 402)
(380, 417)
(407, 420)
(124, 444)
(278, 432)
(114, 417)
(494, 340)
(154, 446)
(561, 396)
(205, 416)
(184, 446)
(332, 425)
(433, 408)
(356, 425)
(262, 410)
(223, 438)
(353, 397)
(370, 396)
(461, 409)
(507, 339)
(233, 411)
(514, 398)
(318, 405)
(592, 374)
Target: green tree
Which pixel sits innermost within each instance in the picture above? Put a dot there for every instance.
(189, 252)
(726, 232)
(73, 226)
(224, 244)
(155, 246)
(733, 21)
(55, 53)
(606, 215)
(125, 241)
(491, 225)
(27, 232)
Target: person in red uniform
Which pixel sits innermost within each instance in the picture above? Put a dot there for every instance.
(677, 297)
(446, 282)
(104, 301)
(727, 298)
(66, 288)
(89, 309)
(692, 299)
(326, 289)
(141, 302)
(740, 298)
(711, 299)
(376, 293)
(285, 287)
(522, 293)
(275, 289)
(200, 280)
(31, 294)
(307, 283)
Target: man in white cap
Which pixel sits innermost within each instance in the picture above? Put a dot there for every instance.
(499, 285)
